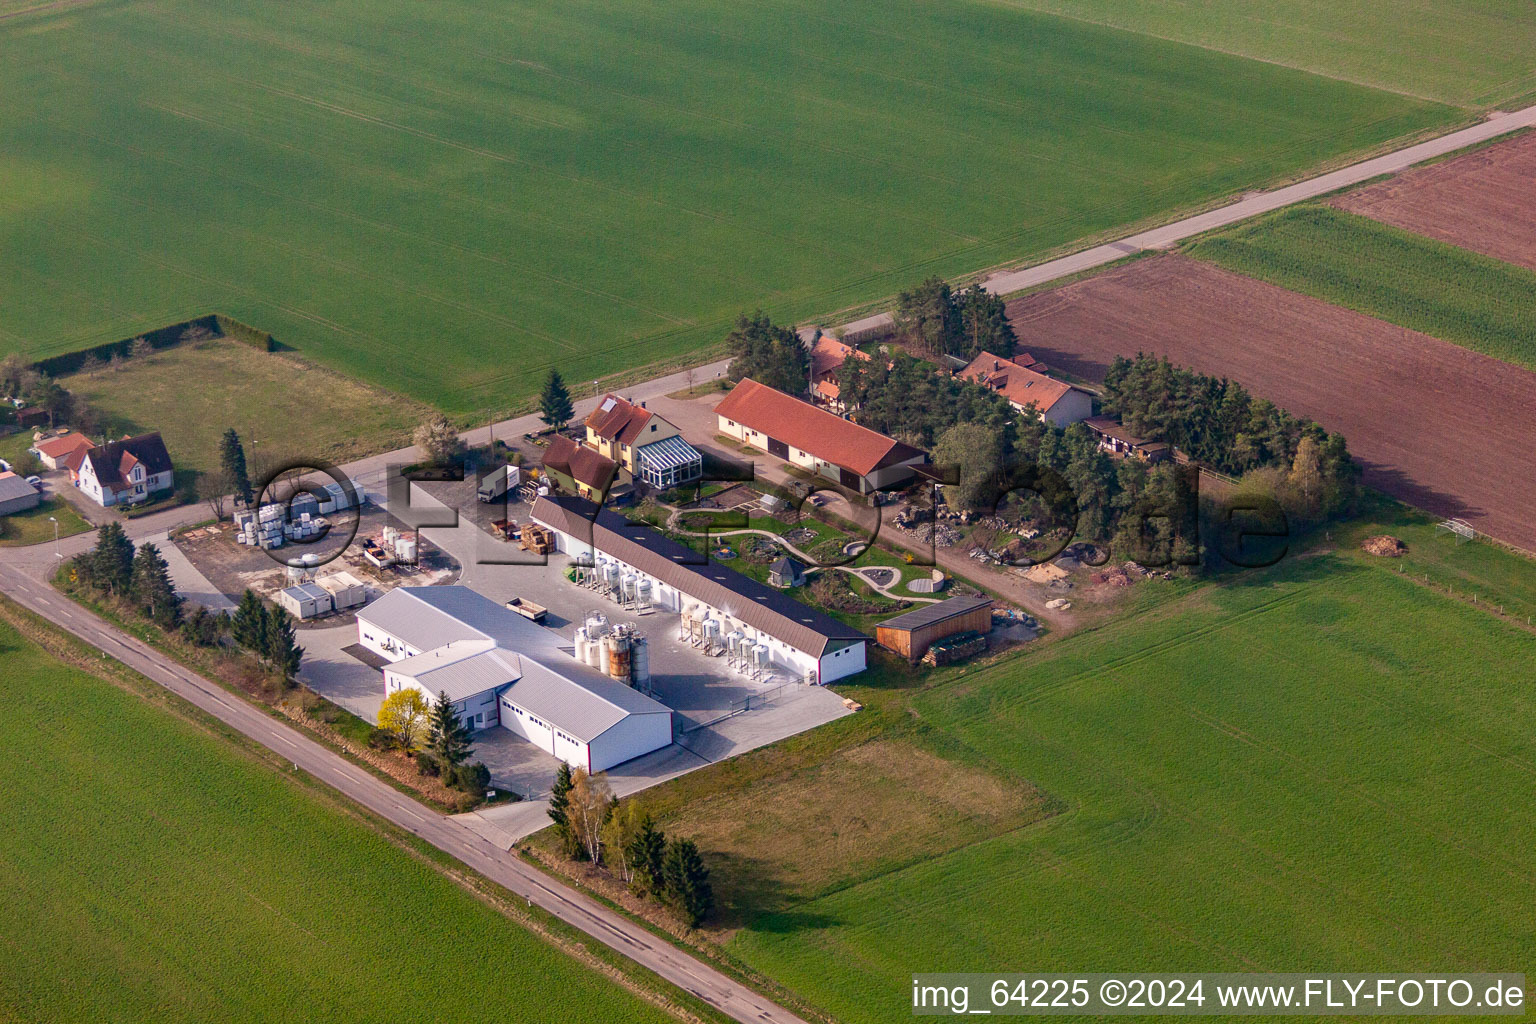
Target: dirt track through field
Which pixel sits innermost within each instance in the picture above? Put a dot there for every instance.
(1433, 424)
(1484, 201)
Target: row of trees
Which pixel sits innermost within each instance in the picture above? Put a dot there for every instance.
(138, 576)
(905, 398)
(593, 826)
(1218, 423)
(434, 734)
(769, 354)
(936, 320)
(268, 633)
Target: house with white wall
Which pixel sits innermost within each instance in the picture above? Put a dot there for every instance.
(1055, 401)
(808, 436)
(499, 669)
(805, 643)
(132, 470)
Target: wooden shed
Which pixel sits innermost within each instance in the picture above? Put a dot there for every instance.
(911, 633)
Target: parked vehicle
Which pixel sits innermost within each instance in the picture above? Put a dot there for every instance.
(35, 481)
(497, 484)
(527, 609)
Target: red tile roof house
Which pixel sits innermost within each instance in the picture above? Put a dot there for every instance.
(827, 357)
(124, 472)
(55, 452)
(812, 438)
(1057, 402)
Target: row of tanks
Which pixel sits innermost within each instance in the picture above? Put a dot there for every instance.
(627, 589)
(703, 631)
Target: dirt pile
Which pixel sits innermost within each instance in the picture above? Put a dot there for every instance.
(1384, 546)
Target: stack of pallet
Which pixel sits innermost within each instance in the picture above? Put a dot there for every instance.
(537, 539)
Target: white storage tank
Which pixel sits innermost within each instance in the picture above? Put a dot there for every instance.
(643, 595)
(405, 550)
(581, 645)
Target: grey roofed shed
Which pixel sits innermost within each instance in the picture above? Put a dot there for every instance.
(759, 606)
(305, 600)
(928, 614)
(16, 495)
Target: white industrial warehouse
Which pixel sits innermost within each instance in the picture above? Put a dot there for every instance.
(498, 668)
(807, 644)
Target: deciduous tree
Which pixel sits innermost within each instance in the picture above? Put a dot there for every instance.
(591, 801)
(405, 713)
(619, 834)
(438, 440)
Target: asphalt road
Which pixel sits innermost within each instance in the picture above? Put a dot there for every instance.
(1008, 282)
(609, 928)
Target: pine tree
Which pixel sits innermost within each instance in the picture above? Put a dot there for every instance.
(647, 851)
(232, 459)
(112, 560)
(555, 407)
(249, 625)
(152, 589)
(450, 740)
(560, 808)
(282, 648)
(686, 881)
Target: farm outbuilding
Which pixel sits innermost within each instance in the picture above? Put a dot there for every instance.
(912, 633)
(498, 668)
(786, 572)
(305, 601)
(16, 495)
(346, 590)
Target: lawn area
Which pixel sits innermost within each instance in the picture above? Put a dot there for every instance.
(1323, 764)
(154, 871)
(449, 211)
(1471, 52)
(284, 408)
(1476, 301)
(32, 527)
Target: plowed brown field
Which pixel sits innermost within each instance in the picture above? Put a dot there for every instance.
(1484, 201)
(1433, 424)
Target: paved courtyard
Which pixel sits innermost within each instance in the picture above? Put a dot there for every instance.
(706, 694)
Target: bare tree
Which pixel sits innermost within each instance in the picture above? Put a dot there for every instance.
(140, 347)
(438, 439)
(93, 365)
(215, 487)
(591, 801)
(117, 362)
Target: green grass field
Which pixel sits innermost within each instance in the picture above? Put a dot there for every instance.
(445, 199)
(1471, 52)
(150, 871)
(1325, 766)
(283, 408)
(32, 527)
(1476, 301)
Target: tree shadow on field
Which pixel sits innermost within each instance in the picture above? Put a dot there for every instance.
(750, 893)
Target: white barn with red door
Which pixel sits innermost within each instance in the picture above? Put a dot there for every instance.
(497, 668)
